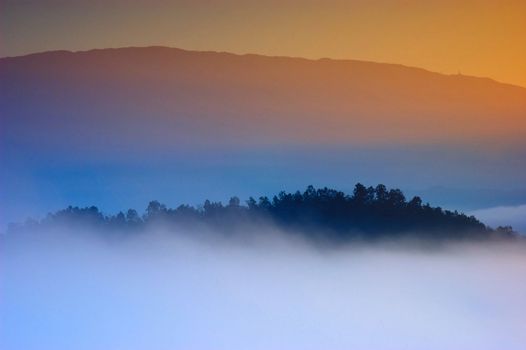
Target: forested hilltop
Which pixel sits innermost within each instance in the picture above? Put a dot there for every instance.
(323, 213)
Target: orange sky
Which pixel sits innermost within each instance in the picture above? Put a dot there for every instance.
(481, 38)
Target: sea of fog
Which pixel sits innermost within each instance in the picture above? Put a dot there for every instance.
(191, 290)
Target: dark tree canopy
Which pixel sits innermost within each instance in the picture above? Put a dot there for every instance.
(323, 213)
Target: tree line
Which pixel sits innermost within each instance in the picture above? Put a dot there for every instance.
(321, 213)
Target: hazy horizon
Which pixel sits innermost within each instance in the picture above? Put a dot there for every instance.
(118, 128)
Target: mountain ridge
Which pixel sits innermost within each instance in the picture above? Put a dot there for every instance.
(169, 97)
(258, 55)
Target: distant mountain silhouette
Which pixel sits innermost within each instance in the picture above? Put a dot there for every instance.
(159, 98)
(320, 214)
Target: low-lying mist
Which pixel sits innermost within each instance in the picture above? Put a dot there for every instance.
(189, 290)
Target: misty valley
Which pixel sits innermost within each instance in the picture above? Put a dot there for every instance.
(262, 175)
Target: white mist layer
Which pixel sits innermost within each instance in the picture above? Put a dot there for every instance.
(162, 291)
(504, 215)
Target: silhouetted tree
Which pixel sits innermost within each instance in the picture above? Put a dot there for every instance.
(154, 209)
(234, 202)
(132, 216)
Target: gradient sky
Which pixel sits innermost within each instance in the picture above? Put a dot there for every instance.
(481, 38)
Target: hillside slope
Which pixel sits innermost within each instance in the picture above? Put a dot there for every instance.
(161, 98)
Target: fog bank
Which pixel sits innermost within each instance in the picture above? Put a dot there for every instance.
(162, 290)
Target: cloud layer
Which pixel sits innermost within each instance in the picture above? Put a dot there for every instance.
(191, 291)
